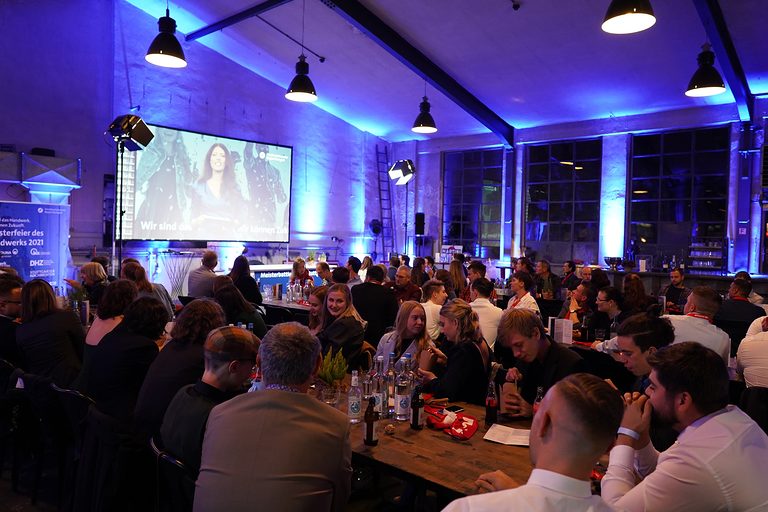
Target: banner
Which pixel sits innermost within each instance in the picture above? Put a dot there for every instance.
(34, 238)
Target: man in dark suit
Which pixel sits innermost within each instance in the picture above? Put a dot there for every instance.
(10, 311)
(376, 304)
(737, 313)
(277, 448)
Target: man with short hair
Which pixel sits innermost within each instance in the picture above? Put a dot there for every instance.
(229, 354)
(547, 284)
(720, 459)
(405, 261)
(676, 293)
(487, 312)
(540, 362)
(575, 424)
(475, 270)
(752, 360)
(376, 304)
(737, 313)
(200, 280)
(10, 317)
(570, 280)
(340, 275)
(696, 324)
(575, 308)
(403, 287)
(324, 272)
(277, 448)
(610, 309)
(435, 296)
(353, 265)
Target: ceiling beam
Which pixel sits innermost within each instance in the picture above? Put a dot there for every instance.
(368, 23)
(717, 32)
(235, 18)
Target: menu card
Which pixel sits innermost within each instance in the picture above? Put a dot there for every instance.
(507, 435)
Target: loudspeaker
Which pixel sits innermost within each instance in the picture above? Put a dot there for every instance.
(134, 131)
(419, 224)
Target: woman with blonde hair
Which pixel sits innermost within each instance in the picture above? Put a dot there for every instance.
(94, 282)
(316, 302)
(456, 270)
(409, 336)
(342, 326)
(363, 272)
(299, 272)
(469, 357)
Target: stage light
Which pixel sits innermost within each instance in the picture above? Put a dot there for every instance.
(402, 171)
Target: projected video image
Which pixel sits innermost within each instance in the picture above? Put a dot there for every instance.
(192, 186)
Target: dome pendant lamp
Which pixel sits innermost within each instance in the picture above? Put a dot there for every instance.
(706, 81)
(628, 17)
(424, 122)
(165, 50)
(301, 88)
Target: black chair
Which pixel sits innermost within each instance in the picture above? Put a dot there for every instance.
(754, 402)
(278, 315)
(75, 405)
(175, 485)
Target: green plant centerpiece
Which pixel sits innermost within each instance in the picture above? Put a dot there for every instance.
(332, 372)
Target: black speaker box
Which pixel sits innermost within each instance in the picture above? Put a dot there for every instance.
(419, 223)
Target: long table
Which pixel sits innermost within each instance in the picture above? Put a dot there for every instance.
(434, 459)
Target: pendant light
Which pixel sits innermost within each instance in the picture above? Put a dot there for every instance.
(706, 81)
(165, 50)
(424, 122)
(301, 88)
(628, 17)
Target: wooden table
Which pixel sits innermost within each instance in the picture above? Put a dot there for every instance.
(434, 459)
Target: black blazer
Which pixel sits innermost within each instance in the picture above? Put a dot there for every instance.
(116, 371)
(250, 290)
(378, 306)
(52, 346)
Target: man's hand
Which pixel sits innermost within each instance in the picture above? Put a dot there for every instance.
(495, 481)
(426, 376)
(517, 406)
(513, 375)
(637, 417)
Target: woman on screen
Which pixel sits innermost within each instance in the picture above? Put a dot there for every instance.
(217, 202)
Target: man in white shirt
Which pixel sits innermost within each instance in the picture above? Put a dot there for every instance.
(487, 312)
(696, 322)
(434, 291)
(575, 424)
(752, 360)
(200, 280)
(353, 265)
(720, 459)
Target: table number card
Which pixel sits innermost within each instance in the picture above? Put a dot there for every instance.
(507, 435)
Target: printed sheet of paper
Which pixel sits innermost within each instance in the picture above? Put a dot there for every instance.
(507, 435)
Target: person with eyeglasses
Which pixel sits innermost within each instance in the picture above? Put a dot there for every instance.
(10, 313)
(230, 357)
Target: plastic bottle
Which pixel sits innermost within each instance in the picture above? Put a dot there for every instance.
(538, 399)
(403, 392)
(353, 399)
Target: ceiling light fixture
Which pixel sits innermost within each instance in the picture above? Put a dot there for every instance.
(301, 88)
(628, 17)
(424, 122)
(165, 50)
(706, 81)
(402, 171)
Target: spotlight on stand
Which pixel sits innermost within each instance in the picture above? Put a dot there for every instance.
(402, 171)
(132, 130)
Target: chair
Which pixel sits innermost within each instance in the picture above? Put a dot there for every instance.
(75, 405)
(175, 485)
(754, 402)
(363, 360)
(278, 315)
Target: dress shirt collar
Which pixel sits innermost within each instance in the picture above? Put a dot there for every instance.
(699, 422)
(481, 300)
(560, 483)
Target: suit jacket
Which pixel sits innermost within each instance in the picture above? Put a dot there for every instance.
(275, 450)
(559, 362)
(52, 346)
(116, 370)
(200, 282)
(378, 306)
(8, 348)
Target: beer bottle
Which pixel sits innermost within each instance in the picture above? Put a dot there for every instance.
(417, 409)
(371, 437)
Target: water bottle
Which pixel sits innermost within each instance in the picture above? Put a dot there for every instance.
(380, 386)
(353, 399)
(306, 291)
(390, 380)
(403, 392)
(288, 292)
